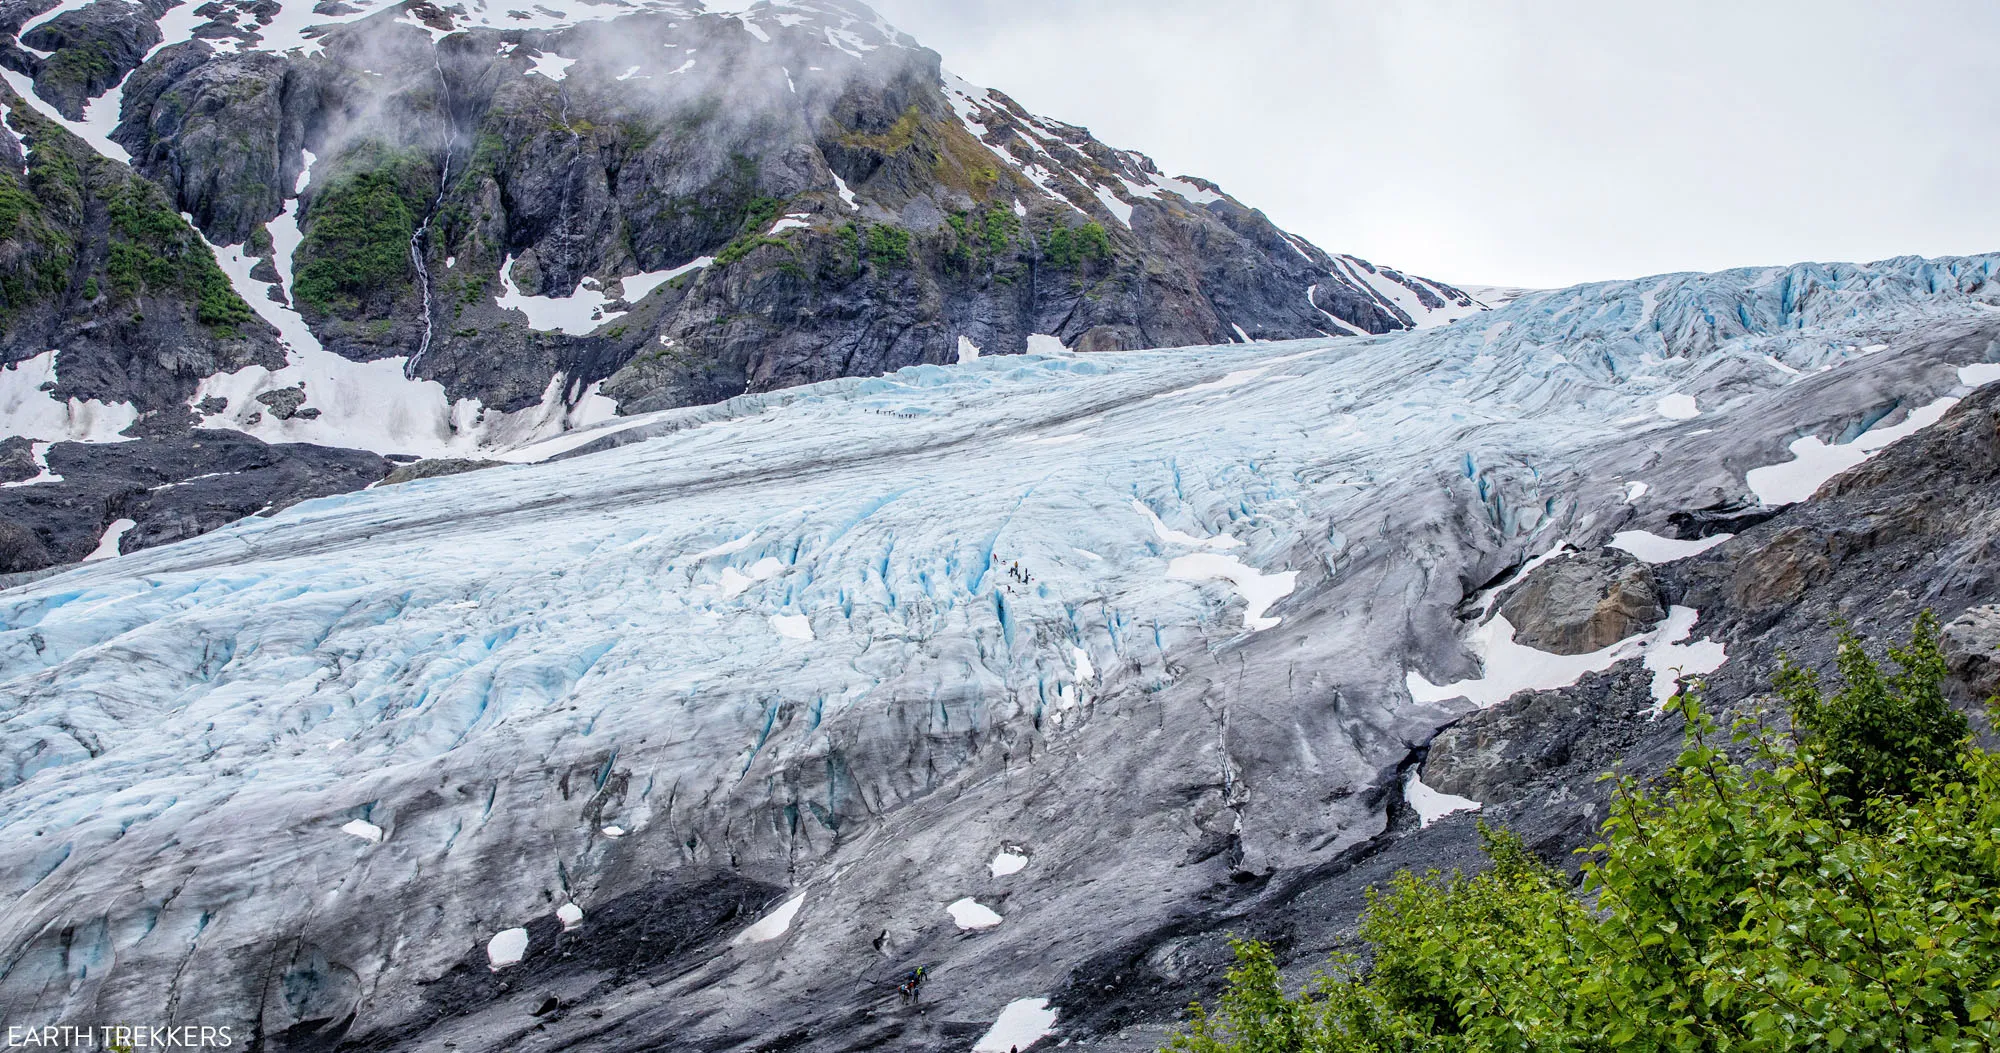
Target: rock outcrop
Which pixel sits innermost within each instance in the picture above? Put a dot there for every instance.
(1972, 645)
(1583, 603)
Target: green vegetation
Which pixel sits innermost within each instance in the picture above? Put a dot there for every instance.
(888, 247)
(153, 250)
(1067, 248)
(86, 65)
(1837, 890)
(757, 218)
(358, 232)
(897, 138)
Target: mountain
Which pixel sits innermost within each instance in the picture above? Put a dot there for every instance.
(448, 231)
(1046, 673)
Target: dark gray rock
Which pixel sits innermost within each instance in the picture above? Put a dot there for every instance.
(173, 488)
(284, 402)
(1583, 603)
(1972, 646)
(17, 460)
(94, 47)
(643, 175)
(1493, 755)
(145, 333)
(435, 467)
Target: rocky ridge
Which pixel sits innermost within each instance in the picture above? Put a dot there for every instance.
(457, 230)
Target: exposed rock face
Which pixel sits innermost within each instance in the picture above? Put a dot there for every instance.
(435, 468)
(17, 460)
(94, 47)
(172, 488)
(98, 265)
(1584, 603)
(1493, 755)
(1972, 645)
(372, 171)
(969, 218)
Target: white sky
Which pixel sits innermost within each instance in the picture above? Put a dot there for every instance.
(1533, 143)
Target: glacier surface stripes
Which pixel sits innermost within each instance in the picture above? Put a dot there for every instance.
(781, 641)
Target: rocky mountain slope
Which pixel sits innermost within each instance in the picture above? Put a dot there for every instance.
(453, 230)
(1045, 672)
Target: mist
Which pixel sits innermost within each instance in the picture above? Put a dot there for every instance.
(1536, 144)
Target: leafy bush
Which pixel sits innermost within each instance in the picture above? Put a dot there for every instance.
(1066, 248)
(1732, 906)
(1890, 736)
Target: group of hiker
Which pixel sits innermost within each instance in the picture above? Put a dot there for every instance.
(1014, 571)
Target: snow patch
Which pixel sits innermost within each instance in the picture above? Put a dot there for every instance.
(793, 626)
(967, 350)
(552, 66)
(1432, 805)
(847, 195)
(1814, 462)
(1044, 344)
(361, 828)
(1258, 589)
(1006, 863)
(107, 545)
(1510, 668)
(570, 915)
(1221, 542)
(1672, 660)
(772, 925)
(29, 411)
(1679, 407)
(1022, 1023)
(582, 312)
(972, 916)
(506, 948)
(1652, 548)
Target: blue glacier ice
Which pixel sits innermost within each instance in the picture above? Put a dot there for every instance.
(784, 637)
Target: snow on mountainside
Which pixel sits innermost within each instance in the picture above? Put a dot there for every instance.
(775, 653)
(455, 230)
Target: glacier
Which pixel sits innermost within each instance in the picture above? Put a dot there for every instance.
(285, 774)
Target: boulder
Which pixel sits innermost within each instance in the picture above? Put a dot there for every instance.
(1972, 648)
(1584, 603)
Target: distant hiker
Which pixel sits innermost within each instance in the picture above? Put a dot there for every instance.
(912, 987)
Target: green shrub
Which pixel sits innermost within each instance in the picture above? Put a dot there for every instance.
(1736, 905)
(1066, 248)
(358, 233)
(1890, 736)
(888, 247)
(757, 218)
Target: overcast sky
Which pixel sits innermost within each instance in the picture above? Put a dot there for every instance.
(1532, 143)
